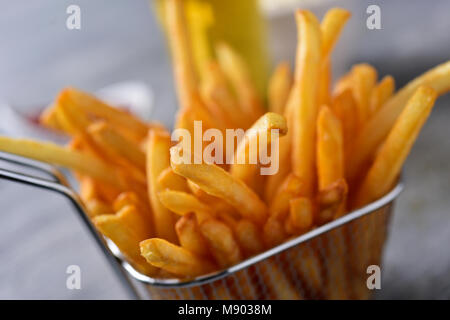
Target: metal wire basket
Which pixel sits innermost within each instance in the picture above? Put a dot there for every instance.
(329, 262)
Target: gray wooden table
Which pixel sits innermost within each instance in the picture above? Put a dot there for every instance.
(119, 40)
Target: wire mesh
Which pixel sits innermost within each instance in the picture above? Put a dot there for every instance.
(332, 265)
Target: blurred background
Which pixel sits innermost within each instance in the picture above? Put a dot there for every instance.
(121, 41)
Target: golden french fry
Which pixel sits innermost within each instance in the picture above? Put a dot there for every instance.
(364, 80)
(87, 188)
(57, 155)
(280, 85)
(221, 242)
(331, 200)
(301, 213)
(158, 146)
(274, 181)
(182, 60)
(218, 205)
(97, 207)
(330, 148)
(170, 180)
(331, 26)
(344, 107)
(190, 236)
(323, 88)
(382, 122)
(174, 259)
(125, 199)
(135, 221)
(237, 72)
(125, 239)
(91, 105)
(183, 203)
(217, 182)
(345, 82)
(49, 118)
(381, 93)
(129, 198)
(304, 97)
(291, 187)
(121, 147)
(248, 236)
(245, 166)
(228, 219)
(274, 233)
(388, 163)
(219, 99)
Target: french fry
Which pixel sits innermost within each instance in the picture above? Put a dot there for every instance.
(97, 207)
(330, 148)
(331, 200)
(301, 213)
(284, 168)
(91, 105)
(183, 203)
(57, 155)
(280, 85)
(158, 160)
(292, 187)
(323, 88)
(382, 122)
(364, 79)
(343, 83)
(381, 93)
(125, 239)
(219, 98)
(135, 221)
(331, 26)
(129, 198)
(274, 233)
(221, 242)
(248, 236)
(87, 188)
(170, 180)
(106, 136)
(237, 72)
(175, 259)
(304, 97)
(182, 60)
(248, 149)
(344, 107)
(190, 236)
(217, 182)
(387, 165)
(217, 204)
(49, 118)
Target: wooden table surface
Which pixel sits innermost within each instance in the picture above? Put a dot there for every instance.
(40, 235)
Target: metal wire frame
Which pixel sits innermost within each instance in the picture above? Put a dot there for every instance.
(124, 270)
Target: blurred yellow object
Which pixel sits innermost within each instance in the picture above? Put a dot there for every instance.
(238, 23)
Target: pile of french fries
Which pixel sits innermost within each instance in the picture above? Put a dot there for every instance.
(340, 148)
